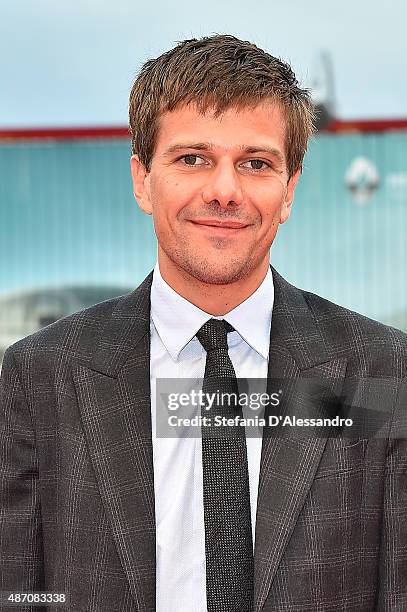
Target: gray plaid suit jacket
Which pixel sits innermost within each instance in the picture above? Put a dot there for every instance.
(76, 471)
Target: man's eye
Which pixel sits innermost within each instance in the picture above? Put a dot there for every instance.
(191, 160)
(258, 164)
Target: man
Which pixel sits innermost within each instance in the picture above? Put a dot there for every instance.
(95, 504)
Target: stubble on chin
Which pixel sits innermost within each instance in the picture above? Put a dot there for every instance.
(219, 269)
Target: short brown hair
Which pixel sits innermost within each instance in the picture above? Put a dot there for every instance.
(218, 72)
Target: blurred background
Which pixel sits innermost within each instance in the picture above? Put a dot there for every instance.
(71, 234)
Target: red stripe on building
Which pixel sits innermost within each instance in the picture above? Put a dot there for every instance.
(79, 132)
(366, 125)
(64, 133)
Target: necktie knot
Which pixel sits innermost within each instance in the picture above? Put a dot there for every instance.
(213, 334)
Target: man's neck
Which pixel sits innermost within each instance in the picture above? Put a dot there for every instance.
(215, 299)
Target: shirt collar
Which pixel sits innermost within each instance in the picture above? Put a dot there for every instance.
(177, 320)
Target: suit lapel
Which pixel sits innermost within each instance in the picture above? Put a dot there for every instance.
(114, 399)
(290, 456)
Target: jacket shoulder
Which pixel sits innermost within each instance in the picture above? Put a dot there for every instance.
(81, 332)
(111, 324)
(374, 345)
(78, 330)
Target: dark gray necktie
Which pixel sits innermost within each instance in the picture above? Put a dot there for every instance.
(228, 532)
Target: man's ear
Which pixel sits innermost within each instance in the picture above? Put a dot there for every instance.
(141, 184)
(289, 196)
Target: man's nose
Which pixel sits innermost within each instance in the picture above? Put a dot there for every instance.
(223, 185)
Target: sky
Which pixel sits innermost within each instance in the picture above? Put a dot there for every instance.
(65, 63)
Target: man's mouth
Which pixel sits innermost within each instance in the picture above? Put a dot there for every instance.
(220, 223)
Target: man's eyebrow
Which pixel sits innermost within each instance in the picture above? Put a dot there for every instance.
(265, 149)
(207, 146)
(200, 146)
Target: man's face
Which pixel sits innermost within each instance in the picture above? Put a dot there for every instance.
(217, 190)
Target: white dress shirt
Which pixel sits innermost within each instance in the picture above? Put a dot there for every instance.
(178, 484)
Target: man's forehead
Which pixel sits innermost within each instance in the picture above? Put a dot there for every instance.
(186, 125)
(269, 107)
